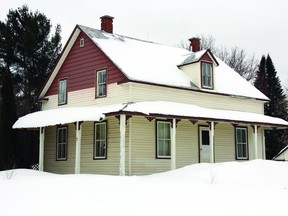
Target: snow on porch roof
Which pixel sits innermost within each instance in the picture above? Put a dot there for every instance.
(150, 108)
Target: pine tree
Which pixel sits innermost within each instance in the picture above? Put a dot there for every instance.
(28, 52)
(269, 84)
(8, 136)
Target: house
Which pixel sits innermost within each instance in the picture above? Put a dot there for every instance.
(282, 155)
(124, 106)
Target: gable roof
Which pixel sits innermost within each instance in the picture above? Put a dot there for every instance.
(154, 63)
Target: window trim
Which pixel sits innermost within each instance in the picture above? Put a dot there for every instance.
(212, 76)
(66, 95)
(66, 144)
(94, 141)
(236, 144)
(82, 42)
(156, 133)
(97, 86)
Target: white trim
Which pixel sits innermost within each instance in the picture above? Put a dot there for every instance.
(102, 83)
(78, 147)
(211, 135)
(63, 144)
(122, 145)
(173, 145)
(82, 42)
(95, 140)
(256, 141)
(263, 144)
(41, 148)
(130, 147)
(157, 141)
(246, 143)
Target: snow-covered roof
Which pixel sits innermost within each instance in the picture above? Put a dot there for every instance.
(148, 108)
(155, 63)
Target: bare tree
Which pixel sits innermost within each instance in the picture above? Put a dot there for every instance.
(237, 58)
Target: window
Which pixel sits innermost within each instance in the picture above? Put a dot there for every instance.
(207, 75)
(163, 139)
(100, 143)
(62, 138)
(101, 85)
(241, 143)
(62, 92)
(82, 42)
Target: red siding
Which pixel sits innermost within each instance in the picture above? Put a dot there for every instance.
(206, 57)
(81, 65)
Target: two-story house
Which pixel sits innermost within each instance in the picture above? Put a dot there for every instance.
(124, 106)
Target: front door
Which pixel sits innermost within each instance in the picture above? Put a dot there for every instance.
(204, 144)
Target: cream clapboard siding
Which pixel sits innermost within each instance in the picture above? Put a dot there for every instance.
(86, 97)
(193, 71)
(50, 162)
(142, 92)
(141, 147)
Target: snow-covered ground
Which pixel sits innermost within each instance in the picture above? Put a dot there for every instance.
(235, 188)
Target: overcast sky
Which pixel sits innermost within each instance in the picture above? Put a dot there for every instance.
(258, 26)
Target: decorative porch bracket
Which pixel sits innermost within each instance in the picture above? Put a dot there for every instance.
(41, 148)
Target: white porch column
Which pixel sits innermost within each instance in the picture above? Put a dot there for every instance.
(78, 147)
(41, 148)
(173, 145)
(122, 144)
(212, 142)
(263, 144)
(256, 141)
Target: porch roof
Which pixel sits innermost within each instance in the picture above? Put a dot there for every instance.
(147, 108)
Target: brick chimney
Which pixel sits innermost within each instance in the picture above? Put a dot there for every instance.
(107, 24)
(195, 44)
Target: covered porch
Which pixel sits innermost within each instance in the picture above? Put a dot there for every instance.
(180, 117)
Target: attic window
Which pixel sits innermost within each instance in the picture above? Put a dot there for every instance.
(206, 75)
(82, 42)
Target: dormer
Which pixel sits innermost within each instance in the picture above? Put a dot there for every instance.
(200, 65)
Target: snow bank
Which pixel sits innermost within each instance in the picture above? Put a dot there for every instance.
(251, 188)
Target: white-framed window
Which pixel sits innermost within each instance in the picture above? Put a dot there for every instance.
(101, 83)
(163, 139)
(241, 143)
(100, 140)
(82, 42)
(62, 140)
(62, 92)
(207, 75)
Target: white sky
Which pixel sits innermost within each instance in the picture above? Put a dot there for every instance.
(258, 26)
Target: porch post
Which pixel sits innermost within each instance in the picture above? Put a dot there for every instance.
(122, 144)
(78, 147)
(173, 145)
(41, 148)
(263, 144)
(256, 141)
(212, 142)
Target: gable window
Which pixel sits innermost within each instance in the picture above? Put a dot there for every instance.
(62, 92)
(100, 140)
(207, 75)
(62, 139)
(82, 42)
(163, 139)
(101, 84)
(241, 143)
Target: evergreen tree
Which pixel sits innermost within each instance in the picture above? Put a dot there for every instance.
(8, 136)
(269, 84)
(27, 52)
